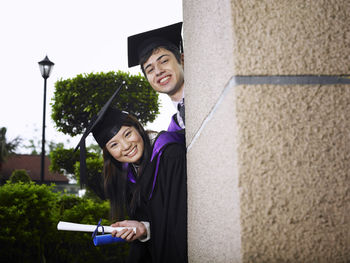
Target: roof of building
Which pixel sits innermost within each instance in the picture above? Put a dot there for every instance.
(32, 164)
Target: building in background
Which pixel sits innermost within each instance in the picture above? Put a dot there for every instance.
(31, 163)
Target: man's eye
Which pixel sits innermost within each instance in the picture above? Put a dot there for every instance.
(127, 134)
(165, 61)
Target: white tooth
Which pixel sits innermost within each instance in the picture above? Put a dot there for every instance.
(132, 151)
(164, 79)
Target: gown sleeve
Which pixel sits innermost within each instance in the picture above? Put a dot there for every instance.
(168, 207)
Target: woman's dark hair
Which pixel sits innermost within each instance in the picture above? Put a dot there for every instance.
(172, 48)
(124, 198)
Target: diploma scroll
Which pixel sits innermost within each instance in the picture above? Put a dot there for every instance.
(97, 239)
(68, 226)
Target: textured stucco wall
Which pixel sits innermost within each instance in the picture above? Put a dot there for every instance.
(294, 159)
(213, 201)
(209, 57)
(268, 166)
(213, 214)
(291, 37)
(293, 140)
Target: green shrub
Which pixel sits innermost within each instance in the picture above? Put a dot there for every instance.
(27, 219)
(29, 214)
(20, 175)
(78, 246)
(2, 179)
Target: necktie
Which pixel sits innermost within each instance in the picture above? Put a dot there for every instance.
(181, 109)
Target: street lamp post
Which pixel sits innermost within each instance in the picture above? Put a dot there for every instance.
(45, 68)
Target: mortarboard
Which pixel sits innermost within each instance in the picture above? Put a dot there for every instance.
(140, 44)
(103, 126)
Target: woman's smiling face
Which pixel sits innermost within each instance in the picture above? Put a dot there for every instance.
(126, 146)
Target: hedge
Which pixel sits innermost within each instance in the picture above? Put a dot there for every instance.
(29, 214)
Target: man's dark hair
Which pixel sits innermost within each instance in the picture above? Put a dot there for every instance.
(172, 48)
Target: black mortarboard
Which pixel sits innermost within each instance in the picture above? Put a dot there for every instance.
(103, 126)
(140, 44)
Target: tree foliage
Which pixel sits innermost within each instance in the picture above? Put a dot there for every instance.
(67, 161)
(63, 160)
(94, 166)
(7, 147)
(35, 146)
(77, 100)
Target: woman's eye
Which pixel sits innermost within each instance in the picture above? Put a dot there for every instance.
(127, 134)
(164, 61)
(113, 145)
(150, 71)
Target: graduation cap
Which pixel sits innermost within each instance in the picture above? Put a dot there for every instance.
(141, 44)
(103, 126)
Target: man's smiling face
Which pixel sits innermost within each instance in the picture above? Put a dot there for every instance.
(165, 73)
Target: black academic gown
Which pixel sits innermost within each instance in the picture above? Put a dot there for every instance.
(139, 252)
(167, 207)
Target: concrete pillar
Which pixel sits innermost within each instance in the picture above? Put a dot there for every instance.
(268, 158)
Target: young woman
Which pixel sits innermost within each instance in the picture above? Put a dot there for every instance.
(145, 180)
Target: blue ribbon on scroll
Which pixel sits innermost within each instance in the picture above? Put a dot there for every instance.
(104, 239)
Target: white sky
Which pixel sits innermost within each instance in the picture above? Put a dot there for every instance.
(79, 36)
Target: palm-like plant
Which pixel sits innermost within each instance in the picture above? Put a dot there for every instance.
(6, 148)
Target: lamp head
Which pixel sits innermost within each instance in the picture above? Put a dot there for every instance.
(45, 67)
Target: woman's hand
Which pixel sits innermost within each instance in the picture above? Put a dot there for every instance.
(128, 234)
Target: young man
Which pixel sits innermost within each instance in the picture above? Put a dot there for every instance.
(159, 53)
